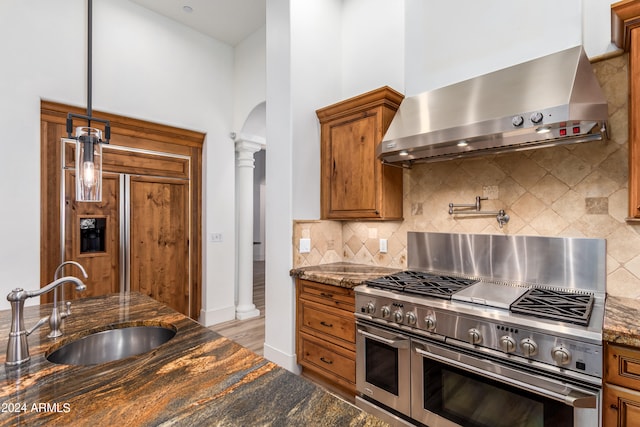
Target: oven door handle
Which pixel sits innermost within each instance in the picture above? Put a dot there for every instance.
(399, 343)
(574, 398)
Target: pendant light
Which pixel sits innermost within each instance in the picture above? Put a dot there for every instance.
(89, 140)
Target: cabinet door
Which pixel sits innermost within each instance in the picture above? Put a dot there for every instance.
(92, 237)
(621, 407)
(159, 242)
(352, 159)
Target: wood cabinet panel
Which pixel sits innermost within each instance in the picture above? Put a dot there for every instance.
(621, 394)
(625, 32)
(333, 296)
(324, 320)
(101, 264)
(325, 333)
(354, 182)
(332, 361)
(159, 243)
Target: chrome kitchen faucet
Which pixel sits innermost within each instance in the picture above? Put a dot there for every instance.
(18, 347)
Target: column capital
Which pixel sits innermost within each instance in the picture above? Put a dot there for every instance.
(247, 146)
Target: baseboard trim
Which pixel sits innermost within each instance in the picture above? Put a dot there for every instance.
(219, 315)
(287, 361)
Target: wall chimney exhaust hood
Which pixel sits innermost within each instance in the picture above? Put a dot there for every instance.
(552, 100)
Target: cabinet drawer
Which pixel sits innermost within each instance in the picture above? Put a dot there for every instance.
(333, 296)
(339, 324)
(334, 361)
(622, 366)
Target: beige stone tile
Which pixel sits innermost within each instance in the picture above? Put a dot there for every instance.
(623, 244)
(570, 206)
(596, 184)
(622, 283)
(549, 189)
(633, 266)
(571, 170)
(549, 223)
(528, 207)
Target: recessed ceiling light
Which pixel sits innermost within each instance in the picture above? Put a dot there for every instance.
(187, 9)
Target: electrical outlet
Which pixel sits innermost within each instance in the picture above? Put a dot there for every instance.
(383, 246)
(305, 246)
(215, 237)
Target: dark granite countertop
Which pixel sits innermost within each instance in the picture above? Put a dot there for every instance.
(342, 274)
(622, 321)
(197, 378)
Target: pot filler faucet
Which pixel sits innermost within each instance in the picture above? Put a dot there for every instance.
(18, 347)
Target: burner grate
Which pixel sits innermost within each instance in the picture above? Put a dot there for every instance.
(556, 305)
(420, 283)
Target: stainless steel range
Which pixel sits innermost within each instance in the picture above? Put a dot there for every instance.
(485, 330)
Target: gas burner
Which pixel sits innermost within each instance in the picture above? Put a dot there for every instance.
(555, 304)
(420, 283)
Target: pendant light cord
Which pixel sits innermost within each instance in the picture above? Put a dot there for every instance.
(89, 58)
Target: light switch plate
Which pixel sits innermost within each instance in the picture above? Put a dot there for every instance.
(305, 246)
(383, 246)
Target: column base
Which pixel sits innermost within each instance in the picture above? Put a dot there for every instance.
(247, 312)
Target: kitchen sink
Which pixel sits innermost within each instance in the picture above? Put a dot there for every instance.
(118, 342)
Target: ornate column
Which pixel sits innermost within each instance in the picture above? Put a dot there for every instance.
(244, 208)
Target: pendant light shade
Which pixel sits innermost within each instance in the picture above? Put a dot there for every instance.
(88, 164)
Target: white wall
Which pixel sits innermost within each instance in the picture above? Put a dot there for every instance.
(249, 80)
(447, 42)
(144, 66)
(372, 46)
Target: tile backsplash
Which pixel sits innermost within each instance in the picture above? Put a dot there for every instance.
(574, 190)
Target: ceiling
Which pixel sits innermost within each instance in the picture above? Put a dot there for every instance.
(229, 21)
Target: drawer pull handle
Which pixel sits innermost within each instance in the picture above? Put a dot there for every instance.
(327, 361)
(324, 294)
(328, 325)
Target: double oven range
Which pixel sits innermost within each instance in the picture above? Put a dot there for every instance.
(485, 330)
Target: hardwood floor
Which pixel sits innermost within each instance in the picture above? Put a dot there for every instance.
(248, 333)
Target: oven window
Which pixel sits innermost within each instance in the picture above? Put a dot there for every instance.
(381, 366)
(472, 400)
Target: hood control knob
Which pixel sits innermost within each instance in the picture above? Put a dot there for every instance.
(517, 121)
(475, 337)
(536, 117)
(397, 316)
(561, 355)
(507, 344)
(529, 347)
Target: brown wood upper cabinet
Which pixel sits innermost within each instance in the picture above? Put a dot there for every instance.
(354, 182)
(625, 32)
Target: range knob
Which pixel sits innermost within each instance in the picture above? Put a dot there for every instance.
(529, 347)
(386, 312)
(536, 117)
(430, 323)
(561, 355)
(517, 121)
(475, 337)
(398, 316)
(370, 308)
(507, 344)
(411, 318)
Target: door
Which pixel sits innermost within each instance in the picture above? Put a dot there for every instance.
(92, 236)
(159, 239)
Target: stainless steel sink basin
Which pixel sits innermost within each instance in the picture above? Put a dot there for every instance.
(117, 343)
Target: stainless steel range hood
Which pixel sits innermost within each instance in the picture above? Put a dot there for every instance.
(552, 100)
